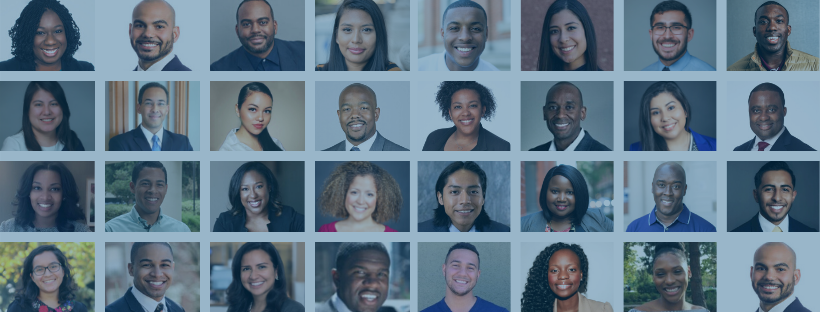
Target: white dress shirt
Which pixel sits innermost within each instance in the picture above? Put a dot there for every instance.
(150, 136)
(435, 62)
(158, 66)
(780, 307)
(453, 228)
(767, 226)
(146, 302)
(770, 141)
(339, 304)
(364, 146)
(572, 146)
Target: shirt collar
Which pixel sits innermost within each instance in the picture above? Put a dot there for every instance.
(767, 226)
(149, 136)
(781, 307)
(681, 63)
(339, 304)
(454, 229)
(684, 217)
(135, 216)
(364, 146)
(770, 141)
(572, 146)
(147, 303)
(272, 57)
(158, 66)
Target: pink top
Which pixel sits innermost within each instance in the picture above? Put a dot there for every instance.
(331, 227)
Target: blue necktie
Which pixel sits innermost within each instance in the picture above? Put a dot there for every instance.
(155, 144)
(355, 149)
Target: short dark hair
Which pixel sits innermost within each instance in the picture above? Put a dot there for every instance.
(671, 5)
(24, 29)
(775, 3)
(440, 217)
(149, 86)
(650, 140)
(235, 186)
(579, 188)
(69, 208)
(135, 248)
(463, 4)
(446, 89)
(466, 246)
(774, 166)
(768, 86)
(243, 2)
(347, 249)
(135, 173)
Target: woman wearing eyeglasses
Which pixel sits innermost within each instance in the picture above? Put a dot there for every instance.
(46, 284)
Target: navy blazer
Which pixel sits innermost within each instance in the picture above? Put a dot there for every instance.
(753, 225)
(487, 141)
(380, 144)
(130, 303)
(173, 65)
(291, 57)
(69, 64)
(796, 306)
(586, 144)
(704, 143)
(134, 140)
(786, 142)
(429, 226)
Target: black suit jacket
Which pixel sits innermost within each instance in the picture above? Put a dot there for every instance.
(288, 221)
(291, 57)
(380, 144)
(69, 64)
(173, 65)
(130, 303)
(796, 306)
(753, 225)
(586, 144)
(134, 140)
(786, 142)
(487, 141)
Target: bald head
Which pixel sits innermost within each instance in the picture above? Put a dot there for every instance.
(564, 87)
(155, 5)
(673, 169)
(358, 113)
(782, 251)
(358, 87)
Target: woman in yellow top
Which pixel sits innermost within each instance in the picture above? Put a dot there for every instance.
(359, 39)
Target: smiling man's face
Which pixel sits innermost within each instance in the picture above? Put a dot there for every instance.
(154, 108)
(153, 270)
(772, 28)
(358, 113)
(152, 31)
(775, 195)
(464, 31)
(766, 114)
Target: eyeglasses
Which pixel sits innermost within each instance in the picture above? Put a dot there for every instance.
(53, 268)
(676, 29)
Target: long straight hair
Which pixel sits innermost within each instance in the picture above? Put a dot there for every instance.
(264, 137)
(239, 298)
(64, 133)
(650, 140)
(378, 61)
(69, 210)
(548, 60)
(29, 290)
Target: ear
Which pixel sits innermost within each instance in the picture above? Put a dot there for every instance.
(236, 28)
(796, 276)
(544, 111)
(689, 269)
(754, 30)
(440, 199)
(690, 35)
(685, 186)
(335, 275)
(583, 112)
(377, 112)
(754, 193)
(794, 195)
(236, 108)
(789, 30)
(442, 32)
(444, 269)
(133, 191)
(483, 110)
(752, 273)
(130, 270)
(784, 111)
(176, 33)
(275, 27)
(129, 28)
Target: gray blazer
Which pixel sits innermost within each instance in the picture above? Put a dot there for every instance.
(380, 144)
(593, 221)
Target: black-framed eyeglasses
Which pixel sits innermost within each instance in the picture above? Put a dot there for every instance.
(676, 29)
(53, 268)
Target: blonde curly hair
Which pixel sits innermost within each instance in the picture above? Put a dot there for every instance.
(388, 200)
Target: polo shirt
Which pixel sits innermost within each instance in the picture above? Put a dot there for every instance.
(687, 221)
(480, 305)
(132, 222)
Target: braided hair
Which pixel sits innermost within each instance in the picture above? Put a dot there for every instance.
(25, 28)
(538, 295)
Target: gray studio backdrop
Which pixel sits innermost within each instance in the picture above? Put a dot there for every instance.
(496, 202)
(598, 100)
(289, 16)
(289, 174)
(392, 98)
(400, 170)
(80, 97)
(493, 285)
(741, 206)
(641, 52)
(702, 97)
(740, 20)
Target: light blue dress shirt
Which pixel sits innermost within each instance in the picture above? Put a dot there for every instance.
(131, 222)
(686, 63)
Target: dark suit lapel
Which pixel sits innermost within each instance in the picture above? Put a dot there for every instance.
(285, 60)
(755, 223)
(167, 141)
(378, 143)
(140, 140)
(132, 302)
(242, 60)
(783, 141)
(585, 143)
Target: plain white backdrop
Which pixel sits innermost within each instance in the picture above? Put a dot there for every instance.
(601, 269)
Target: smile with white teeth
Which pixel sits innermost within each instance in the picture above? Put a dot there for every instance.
(672, 290)
(773, 40)
(44, 205)
(567, 49)
(668, 44)
(51, 52)
(777, 208)
(771, 287)
(257, 283)
(465, 49)
(49, 281)
(156, 283)
(465, 211)
(666, 202)
(149, 45)
(458, 281)
(670, 127)
(255, 204)
(357, 126)
(563, 287)
(152, 199)
(360, 209)
(369, 297)
(466, 121)
(764, 126)
(47, 120)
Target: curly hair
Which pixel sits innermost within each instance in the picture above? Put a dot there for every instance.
(69, 207)
(538, 295)
(25, 28)
(446, 89)
(29, 291)
(388, 199)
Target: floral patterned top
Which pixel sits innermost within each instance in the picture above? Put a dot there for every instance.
(66, 306)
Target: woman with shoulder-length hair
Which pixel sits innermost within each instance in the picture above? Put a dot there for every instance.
(50, 187)
(564, 202)
(364, 195)
(46, 284)
(554, 268)
(359, 41)
(253, 107)
(568, 39)
(259, 282)
(670, 263)
(45, 37)
(665, 116)
(45, 121)
(255, 206)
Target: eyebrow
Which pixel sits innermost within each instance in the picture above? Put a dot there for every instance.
(570, 23)
(675, 181)
(154, 23)
(149, 180)
(772, 185)
(363, 25)
(55, 183)
(556, 102)
(459, 186)
(459, 261)
(149, 260)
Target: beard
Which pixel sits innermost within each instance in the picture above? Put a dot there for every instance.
(164, 48)
(677, 54)
(257, 48)
(786, 290)
(457, 293)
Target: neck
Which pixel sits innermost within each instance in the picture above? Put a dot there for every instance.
(459, 303)
(53, 297)
(149, 218)
(354, 66)
(259, 302)
(246, 137)
(57, 66)
(675, 306)
(766, 307)
(42, 223)
(357, 143)
(581, 61)
(773, 59)
(464, 228)
(570, 304)
(560, 224)
(45, 138)
(153, 130)
(667, 220)
(453, 66)
(461, 136)
(562, 144)
(262, 214)
(680, 143)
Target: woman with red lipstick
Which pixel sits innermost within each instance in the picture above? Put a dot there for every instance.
(45, 121)
(259, 282)
(46, 284)
(556, 281)
(253, 107)
(359, 41)
(364, 195)
(45, 37)
(665, 115)
(47, 201)
(465, 103)
(671, 274)
(564, 201)
(568, 39)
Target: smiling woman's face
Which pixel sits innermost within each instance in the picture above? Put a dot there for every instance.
(560, 197)
(49, 282)
(356, 37)
(466, 111)
(568, 39)
(49, 40)
(564, 273)
(667, 116)
(45, 113)
(671, 277)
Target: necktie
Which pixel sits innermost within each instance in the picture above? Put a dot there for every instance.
(777, 229)
(155, 144)
(762, 146)
(160, 306)
(355, 149)
(665, 68)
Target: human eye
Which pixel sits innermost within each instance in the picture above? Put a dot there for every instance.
(655, 112)
(367, 30)
(454, 192)
(263, 23)
(554, 191)
(553, 31)
(364, 108)
(166, 265)
(661, 184)
(457, 107)
(36, 188)
(146, 265)
(40, 33)
(779, 21)
(781, 269)
(553, 271)
(677, 28)
(571, 28)
(573, 270)
(246, 24)
(676, 186)
(772, 109)
(252, 109)
(346, 29)
(755, 111)
(762, 22)
(160, 26)
(670, 107)
(245, 269)
(55, 189)
(477, 29)
(552, 107)
(267, 111)
(453, 28)
(767, 189)
(570, 192)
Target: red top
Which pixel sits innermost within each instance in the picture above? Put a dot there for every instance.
(331, 227)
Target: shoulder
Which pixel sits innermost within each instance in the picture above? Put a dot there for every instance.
(338, 147)
(175, 65)
(436, 139)
(293, 45)
(743, 64)
(533, 222)
(652, 67)
(329, 227)
(593, 145)
(747, 226)
(80, 226)
(224, 222)
(13, 64)
(15, 142)
(392, 67)
(427, 226)
(804, 60)
(78, 306)
(430, 62)
(494, 142)
(485, 66)
(173, 306)
(77, 65)
(797, 226)
(15, 306)
(185, 144)
(698, 64)
(292, 306)
(118, 224)
(633, 226)
(7, 226)
(496, 227)
(488, 306)
(118, 305)
(636, 146)
(389, 229)
(390, 146)
(798, 145)
(295, 220)
(227, 62)
(746, 146)
(542, 147)
(595, 305)
(701, 224)
(704, 143)
(178, 226)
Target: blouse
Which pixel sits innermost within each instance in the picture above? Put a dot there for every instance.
(232, 143)
(10, 226)
(331, 227)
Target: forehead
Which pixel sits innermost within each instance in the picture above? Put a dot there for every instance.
(254, 10)
(45, 258)
(368, 257)
(463, 255)
(50, 18)
(564, 255)
(42, 95)
(559, 180)
(256, 256)
(363, 181)
(462, 177)
(154, 93)
(662, 99)
(465, 95)
(356, 95)
(45, 174)
(774, 254)
(564, 91)
(355, 16)
(258, 99)
(669, 173)
(771, 10)
(759, 98)
(252, 176)
(563, 17)
(776, 175)
(154, 252)
(668, 259)
(151, 174)
(152, 11)
(670, 17)
(464, 15)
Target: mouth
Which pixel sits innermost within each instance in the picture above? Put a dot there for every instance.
(257, 284)
(257, 39)
(356, 51)
(561, 207)
(669, 46)
(152, 200)
(672, 290)
(466, 122)
(47, 120)
(359, 209)
(157, 285)
(769, 288)
(370, 298)
(669, 127)
(765, 126)
(460, 281)
(258, 126)
(255, 204)
(563, 286)
(464, 51)
(561, 125)
(567, 50)
(147, 45)
(45, 206)
(154, 116)
(355, 126)
(776, 208)
(50, 52)
(464, 212)
(666, 202)
(773, 39)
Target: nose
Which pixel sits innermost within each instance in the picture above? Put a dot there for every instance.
(464, 35)
(667, 190)
(562, 196)
(562, 275)
(670, 279)
(359, 199)
(50, 40)
(357, 37)
(47, 111)
(464, 198)
(778, 195)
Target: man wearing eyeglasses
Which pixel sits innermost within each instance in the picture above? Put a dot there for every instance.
(670, 32)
